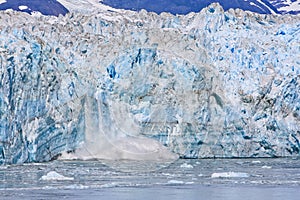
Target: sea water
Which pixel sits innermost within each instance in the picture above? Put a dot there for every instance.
(180, 179)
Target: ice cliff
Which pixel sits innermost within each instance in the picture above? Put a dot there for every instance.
(208, 84)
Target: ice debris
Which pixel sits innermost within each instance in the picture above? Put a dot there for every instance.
(54, 176)
(185, 165)
(230, 175)
(175, 182)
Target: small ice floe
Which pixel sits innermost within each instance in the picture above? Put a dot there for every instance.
(230, 175)
(256, 162)
(109, 185)
(168, 174)
(266, 167)
(185, 165)
(54, 176)
(190, 183)
(77, 187)
(175, 182)
(240, 162)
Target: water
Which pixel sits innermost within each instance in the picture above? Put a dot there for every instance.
(182, 179)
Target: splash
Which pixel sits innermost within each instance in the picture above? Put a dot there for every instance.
(112, 134)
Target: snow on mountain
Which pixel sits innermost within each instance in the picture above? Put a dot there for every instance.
(138, 85)
(180, 6)
(85, 6)
(287, 6)
(183, 6)
(54, 7)
(45, 7)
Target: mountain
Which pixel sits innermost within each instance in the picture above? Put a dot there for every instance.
(138, 85)
(184, 7)
(286, 6)
(53, 7)
(45, 7)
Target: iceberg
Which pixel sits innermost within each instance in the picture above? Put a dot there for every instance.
(138, 85)
(54, 176)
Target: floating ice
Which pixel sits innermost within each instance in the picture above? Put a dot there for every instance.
(54, 176)
(230, 175)
(110, 185)
(266, 167)
(185, 165)
(175, 182)
(256, 162)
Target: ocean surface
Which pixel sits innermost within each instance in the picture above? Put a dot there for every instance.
(182, 179)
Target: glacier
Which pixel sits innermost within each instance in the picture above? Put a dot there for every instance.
(137, 85)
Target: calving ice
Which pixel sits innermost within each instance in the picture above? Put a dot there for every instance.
(120, 84)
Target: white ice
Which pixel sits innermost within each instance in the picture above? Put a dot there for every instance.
(54, 176)
(23, 7)
(185, 165)
(230, 175)
(118, 141)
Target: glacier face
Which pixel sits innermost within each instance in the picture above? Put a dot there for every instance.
(208, 84)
